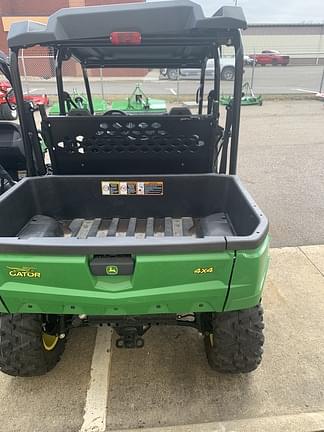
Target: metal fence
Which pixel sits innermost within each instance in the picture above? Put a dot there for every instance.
(37, 68)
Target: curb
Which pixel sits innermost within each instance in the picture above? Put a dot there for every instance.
(305, 422)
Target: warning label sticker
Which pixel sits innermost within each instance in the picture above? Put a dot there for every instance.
(130, 188)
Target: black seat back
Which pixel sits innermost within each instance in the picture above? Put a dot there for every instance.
(182, 111)
(81, 112)
(131, 144)
(12, 155)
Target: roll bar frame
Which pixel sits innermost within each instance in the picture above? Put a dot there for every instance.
(235, 41)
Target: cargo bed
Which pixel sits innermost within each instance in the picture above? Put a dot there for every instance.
(42, 226)
(128, 214)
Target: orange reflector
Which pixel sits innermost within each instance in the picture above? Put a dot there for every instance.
(125, 38)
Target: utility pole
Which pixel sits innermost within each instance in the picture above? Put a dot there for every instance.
(235, 2)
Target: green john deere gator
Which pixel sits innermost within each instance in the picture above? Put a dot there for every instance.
(143, 220)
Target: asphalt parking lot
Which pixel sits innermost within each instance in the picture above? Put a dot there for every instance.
(168, 383)
(281, 163)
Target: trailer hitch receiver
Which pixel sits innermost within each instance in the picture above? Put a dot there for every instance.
(130, 337)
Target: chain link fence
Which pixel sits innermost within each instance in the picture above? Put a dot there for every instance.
(40, 66)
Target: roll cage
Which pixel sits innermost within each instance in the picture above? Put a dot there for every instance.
(169, 34)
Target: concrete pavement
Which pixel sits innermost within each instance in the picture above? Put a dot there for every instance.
(54, 402)
(308, 422)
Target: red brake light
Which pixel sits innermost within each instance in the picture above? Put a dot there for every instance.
(125, 38)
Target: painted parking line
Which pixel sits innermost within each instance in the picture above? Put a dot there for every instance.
(95, 411)
(172, 91)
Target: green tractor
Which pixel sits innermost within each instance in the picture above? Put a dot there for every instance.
(78, 103)
(143, 221)
(138, 102)
(248, 97)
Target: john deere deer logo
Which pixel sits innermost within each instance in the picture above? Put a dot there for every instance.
(112, 270)
(24, 272)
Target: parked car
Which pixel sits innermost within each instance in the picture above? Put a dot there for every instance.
(271, 57)
(227, 65)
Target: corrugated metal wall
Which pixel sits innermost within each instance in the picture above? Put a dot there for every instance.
(304, 41)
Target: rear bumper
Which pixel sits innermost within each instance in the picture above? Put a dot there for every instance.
(178, 283)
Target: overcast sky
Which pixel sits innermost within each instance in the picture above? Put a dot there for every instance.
(272, 10)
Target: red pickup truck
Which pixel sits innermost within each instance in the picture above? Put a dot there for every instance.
(270, 57)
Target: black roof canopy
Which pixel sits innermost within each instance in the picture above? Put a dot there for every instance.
(179, 28)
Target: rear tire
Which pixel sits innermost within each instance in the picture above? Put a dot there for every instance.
(228, 73)
(172, 74)
(6, 113)
(235, 344)
(24, 351)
